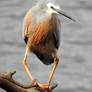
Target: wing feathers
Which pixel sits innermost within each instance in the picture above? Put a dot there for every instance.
(37, 31)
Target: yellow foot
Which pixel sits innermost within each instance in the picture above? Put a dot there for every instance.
(43, 86)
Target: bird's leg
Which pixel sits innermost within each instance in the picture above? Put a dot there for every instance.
(29, 74)
(51, 75)
(54, 68)
(26, 66)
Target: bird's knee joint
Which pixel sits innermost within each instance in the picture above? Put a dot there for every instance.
(57, 61)
(24, 63)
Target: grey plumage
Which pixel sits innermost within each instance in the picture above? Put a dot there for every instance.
(42, 34)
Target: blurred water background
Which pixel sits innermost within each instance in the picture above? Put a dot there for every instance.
(74, 72)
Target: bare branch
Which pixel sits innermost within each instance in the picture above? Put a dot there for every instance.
(10, 85)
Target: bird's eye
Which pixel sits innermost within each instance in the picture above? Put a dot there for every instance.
(52, 7)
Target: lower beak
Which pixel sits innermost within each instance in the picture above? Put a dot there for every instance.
(63, 13)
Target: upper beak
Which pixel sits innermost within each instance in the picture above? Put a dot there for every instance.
(63, 13)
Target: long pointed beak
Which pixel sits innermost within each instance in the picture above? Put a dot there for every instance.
(63, 13)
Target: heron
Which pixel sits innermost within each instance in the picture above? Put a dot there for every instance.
(41, 33)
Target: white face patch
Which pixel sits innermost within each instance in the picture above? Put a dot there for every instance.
(50, 10)
(52, 5)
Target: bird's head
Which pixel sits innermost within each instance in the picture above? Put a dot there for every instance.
(55, 9)
(51, 7)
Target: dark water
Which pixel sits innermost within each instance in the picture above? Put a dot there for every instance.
(74, 73)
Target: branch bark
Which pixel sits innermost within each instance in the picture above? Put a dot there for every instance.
(10, 85)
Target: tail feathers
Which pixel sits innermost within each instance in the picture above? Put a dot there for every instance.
(46, 59)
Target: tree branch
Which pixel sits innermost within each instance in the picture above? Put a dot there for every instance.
(10, 85)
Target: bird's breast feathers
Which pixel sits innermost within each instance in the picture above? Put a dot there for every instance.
(38, 31)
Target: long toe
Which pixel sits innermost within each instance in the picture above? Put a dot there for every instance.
(43, 85)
